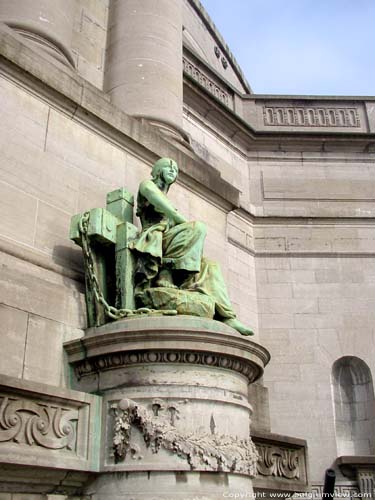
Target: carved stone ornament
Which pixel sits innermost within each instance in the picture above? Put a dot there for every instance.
(341, 491)
(224, 62)
(293, 116)
(366, 481)
(23, 421)
(110, 361)
(213, 452)
(278, 462)
(212, 87)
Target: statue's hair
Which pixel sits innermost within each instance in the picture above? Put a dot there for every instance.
(159, 165)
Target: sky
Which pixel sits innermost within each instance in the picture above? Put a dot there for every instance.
(308, 47)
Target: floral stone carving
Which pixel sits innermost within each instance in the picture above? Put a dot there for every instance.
(26, 422)
(213, 452)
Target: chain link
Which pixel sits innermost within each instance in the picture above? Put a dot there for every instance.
(110, 311)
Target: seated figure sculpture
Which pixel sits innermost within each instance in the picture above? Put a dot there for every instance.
(169, 250)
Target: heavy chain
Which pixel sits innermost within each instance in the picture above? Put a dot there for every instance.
(110, 311)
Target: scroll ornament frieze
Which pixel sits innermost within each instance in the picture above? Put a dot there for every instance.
(213, 452)
(278, 462)
(33, 423)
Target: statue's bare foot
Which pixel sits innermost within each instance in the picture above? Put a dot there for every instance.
(165, 279)
(237, 325)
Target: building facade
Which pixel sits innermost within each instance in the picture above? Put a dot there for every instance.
(93, 92)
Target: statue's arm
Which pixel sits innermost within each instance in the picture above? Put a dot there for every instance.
(160, 202)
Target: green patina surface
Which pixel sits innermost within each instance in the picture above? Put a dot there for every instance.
(159, 270)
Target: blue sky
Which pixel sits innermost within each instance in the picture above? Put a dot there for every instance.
(311, 47)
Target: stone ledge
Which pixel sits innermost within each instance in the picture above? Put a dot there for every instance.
(181, 339)
(362, 469)
(46, 426)
(283, 463)
(351, 464)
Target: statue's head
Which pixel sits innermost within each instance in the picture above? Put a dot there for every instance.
(166, 170)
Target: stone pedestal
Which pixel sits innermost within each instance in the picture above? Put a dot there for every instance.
(176, 418)
(143, 72)
(46, 25)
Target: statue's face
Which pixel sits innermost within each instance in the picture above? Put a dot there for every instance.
(169, 173)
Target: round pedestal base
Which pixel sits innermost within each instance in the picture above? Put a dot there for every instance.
(176, 415)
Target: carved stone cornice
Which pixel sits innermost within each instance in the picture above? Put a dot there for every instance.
(177, 340)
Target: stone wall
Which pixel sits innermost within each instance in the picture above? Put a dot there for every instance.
(306, 224)
(55, 163)
(90, 38)
(312, 311)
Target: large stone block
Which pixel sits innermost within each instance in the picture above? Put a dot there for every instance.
(270, 290)
(13, 328)
(259, 399)
(42, 292)
(39, 174)
(52, 228)
(45, 340)
(291, 305)
(85, 150)
(24, 116)
(20, 209)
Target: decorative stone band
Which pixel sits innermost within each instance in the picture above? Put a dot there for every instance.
(46, 425)
(40, 424)
(278, 462)
(366, 482)
(283, 459)
(209, 452)
(213, 88)
(301, 116)
(341, 491)
(178, 340)
(109, 361)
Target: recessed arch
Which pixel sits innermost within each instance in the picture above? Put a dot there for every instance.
(354, 405)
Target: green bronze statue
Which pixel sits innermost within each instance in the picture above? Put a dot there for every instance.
(160, 270)
(169, 253)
